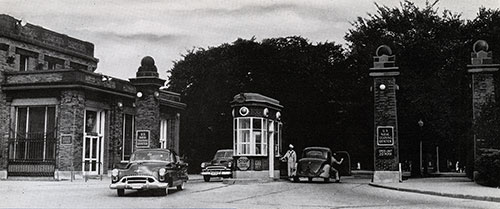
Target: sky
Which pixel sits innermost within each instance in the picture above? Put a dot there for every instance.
(124, 31)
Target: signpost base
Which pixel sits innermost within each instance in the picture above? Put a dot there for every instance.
(386, 177)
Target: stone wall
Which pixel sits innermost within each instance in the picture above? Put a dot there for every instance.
(70, 123)
(148, 114)
(386, 115)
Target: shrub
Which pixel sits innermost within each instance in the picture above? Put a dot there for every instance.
(488, 170)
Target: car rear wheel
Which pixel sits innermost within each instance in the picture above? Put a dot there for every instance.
(181, 187)
(206, 178)
(120, 192)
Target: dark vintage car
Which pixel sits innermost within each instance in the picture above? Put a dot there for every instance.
(157, 169)
(316, 162)
(219, 166)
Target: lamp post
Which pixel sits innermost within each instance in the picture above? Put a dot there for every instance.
(421, 124)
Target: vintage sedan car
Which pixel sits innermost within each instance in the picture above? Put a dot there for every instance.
(316, 162)
(219, 166)
(157, 169)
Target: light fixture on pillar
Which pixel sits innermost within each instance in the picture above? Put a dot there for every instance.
(382, 87)
(119, 104)
(266, 112)
(278, 116)
(139, 94)
(156, 94)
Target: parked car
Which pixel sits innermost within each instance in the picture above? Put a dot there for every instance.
(220, 166)
(158, 169)
(316, 162)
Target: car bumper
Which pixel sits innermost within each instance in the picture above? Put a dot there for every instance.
(124, 184)
(216, 173)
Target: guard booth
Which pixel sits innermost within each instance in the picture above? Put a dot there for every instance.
(257, 138)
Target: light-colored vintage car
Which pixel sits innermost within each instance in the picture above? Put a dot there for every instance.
(219, 166)
(158, 169)
(316, 162)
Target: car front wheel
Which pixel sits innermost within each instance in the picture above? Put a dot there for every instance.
(206, 178)
(164, 192)
(181, 187)
(120, 192)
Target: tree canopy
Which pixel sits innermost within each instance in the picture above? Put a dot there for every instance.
(325, 88)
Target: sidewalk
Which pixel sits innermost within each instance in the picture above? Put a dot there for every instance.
(456, 187)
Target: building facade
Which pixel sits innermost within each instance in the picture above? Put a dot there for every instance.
(59, 118)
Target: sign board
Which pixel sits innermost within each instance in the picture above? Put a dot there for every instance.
(385, 153)
(142, 138)
(243, 163)
(66, 138)
(385, 135)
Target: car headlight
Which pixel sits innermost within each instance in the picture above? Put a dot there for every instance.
(114, 172)
(203, 165)
(162, 171)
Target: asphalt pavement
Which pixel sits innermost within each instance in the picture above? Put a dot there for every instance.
(456, 187)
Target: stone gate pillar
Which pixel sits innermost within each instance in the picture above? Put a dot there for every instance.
(483, 87)
(386, 146)
(147, 119)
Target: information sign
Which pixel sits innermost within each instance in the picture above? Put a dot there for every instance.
(385, 135)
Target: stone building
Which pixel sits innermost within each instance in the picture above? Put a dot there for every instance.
(59, 118)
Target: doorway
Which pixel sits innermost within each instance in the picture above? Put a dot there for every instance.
(93, 142)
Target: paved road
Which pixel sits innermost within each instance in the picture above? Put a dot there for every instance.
(351, 193)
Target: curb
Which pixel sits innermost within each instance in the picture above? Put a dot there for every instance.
(443, 194)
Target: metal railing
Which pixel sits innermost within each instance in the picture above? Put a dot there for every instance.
(32, 154)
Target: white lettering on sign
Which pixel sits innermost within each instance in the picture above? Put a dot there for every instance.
(385, 135)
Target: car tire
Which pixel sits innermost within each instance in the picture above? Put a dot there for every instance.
(181, 187)
(164, 192)
(206, 178)
(296, 179)
(326, 179)
(120, 192)
(309, 179)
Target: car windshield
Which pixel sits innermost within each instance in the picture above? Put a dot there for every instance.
(144, 155)
(316, 154)
(223, 154)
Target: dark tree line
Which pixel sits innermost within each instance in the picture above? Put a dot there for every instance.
(325, 89)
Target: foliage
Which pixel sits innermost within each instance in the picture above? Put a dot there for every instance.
(325, 89)
(432, 52)
(303, 76)
(488, 170)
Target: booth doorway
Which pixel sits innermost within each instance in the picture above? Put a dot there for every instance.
(93, 142)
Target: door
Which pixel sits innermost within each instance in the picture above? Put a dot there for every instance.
(93, 142)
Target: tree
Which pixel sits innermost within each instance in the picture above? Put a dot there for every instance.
(432, 52)
(303, 76)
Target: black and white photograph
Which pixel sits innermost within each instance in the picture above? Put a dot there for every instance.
(250, 104)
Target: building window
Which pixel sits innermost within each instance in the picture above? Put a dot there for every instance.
(128, 136)
(34, 134)
(163, 133)
(24, 63)
(26, 58)
(251, 136)
(54, 63)
(77, 66)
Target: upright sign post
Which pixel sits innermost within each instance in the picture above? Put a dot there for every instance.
(386, 151)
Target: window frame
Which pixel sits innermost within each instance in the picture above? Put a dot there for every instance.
(253, 132)
(124, 115)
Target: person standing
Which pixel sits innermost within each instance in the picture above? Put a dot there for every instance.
(291, 158)
(337, 176)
